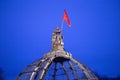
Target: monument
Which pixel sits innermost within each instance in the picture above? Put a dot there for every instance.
(57, 64)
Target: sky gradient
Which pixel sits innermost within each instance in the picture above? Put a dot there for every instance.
(26, 28)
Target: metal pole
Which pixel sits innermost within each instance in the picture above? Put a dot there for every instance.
(62, 25)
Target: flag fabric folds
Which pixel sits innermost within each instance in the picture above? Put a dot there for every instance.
(65, 18)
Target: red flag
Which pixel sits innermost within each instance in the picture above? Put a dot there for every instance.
(65, 18)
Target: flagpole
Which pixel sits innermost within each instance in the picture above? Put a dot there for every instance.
(62, 25)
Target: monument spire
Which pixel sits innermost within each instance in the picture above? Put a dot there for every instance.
(57, 40)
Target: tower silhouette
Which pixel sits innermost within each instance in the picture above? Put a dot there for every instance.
(57, 64)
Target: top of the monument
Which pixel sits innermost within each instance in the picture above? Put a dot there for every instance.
(57, 64)
(57, 40)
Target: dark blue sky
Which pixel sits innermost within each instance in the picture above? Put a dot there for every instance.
(26, 28)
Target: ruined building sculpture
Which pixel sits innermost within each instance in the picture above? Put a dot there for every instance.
(57, 64)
